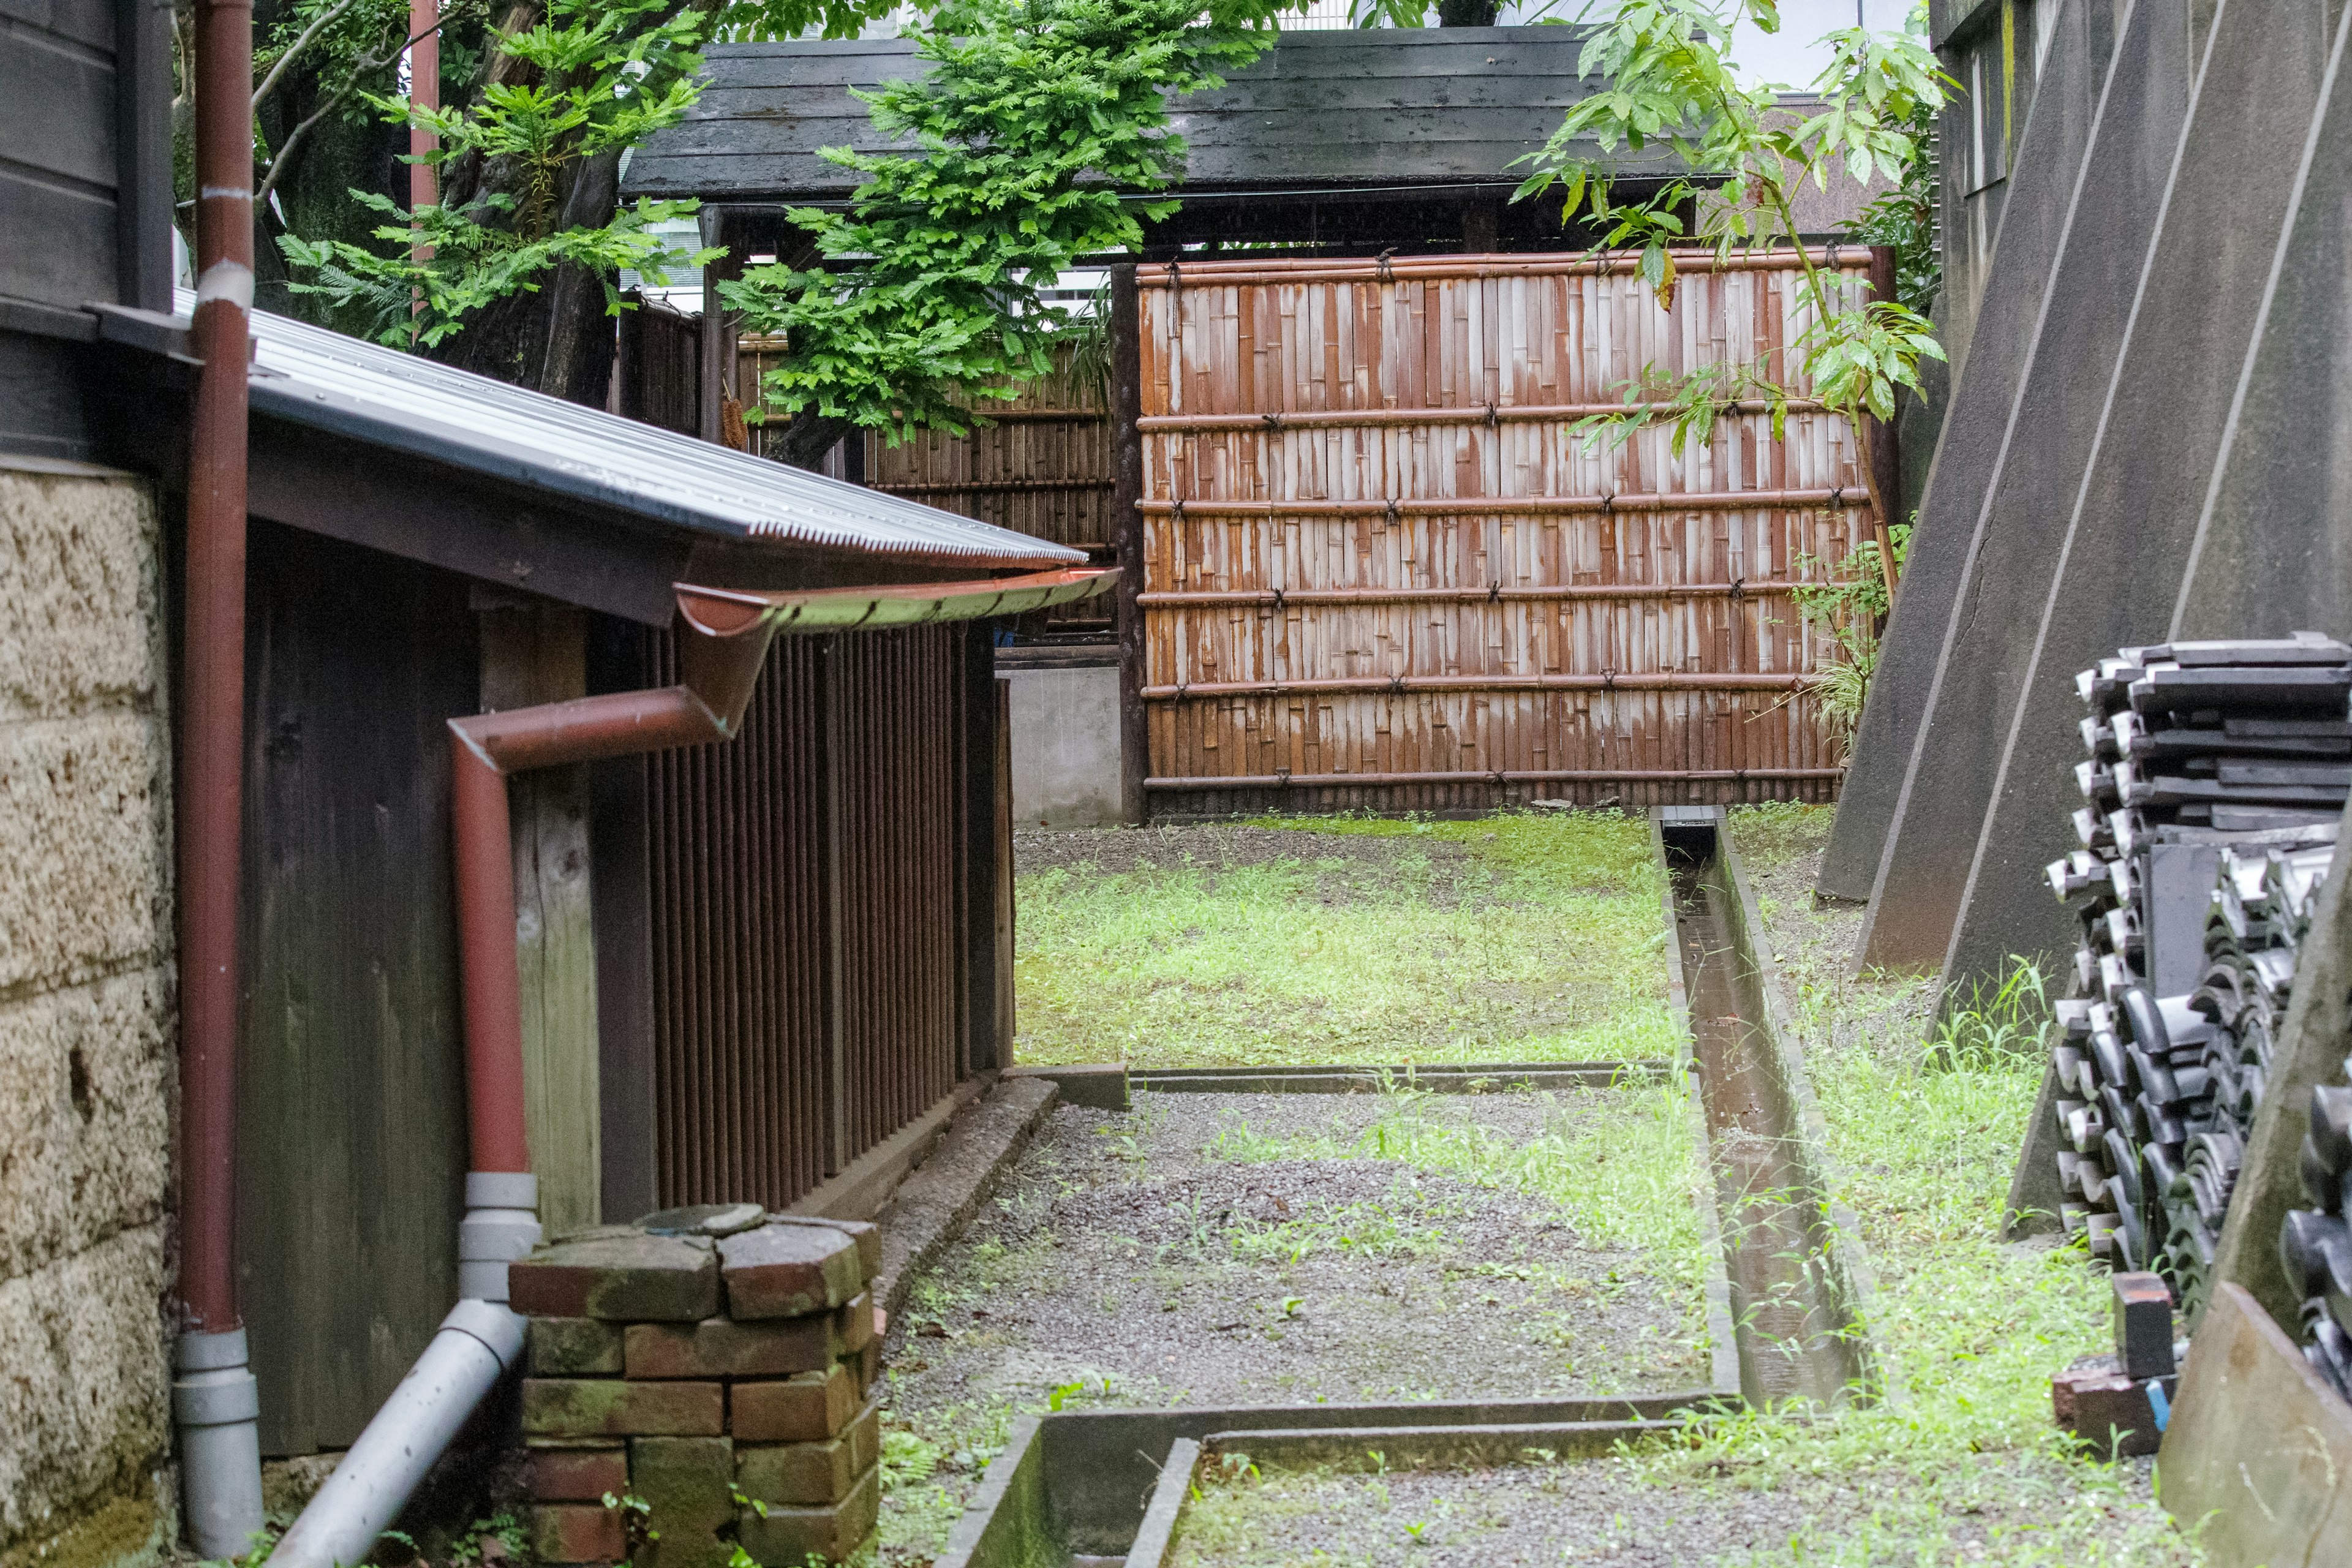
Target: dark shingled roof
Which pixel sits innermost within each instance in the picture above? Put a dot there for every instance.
(1380, 109)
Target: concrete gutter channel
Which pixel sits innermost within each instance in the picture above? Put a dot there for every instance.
(1786, 1287)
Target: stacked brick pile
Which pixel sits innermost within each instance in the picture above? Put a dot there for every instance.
(726, 1380)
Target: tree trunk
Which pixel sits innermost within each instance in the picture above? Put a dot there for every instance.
(558, 339)
(1468, 13)
(804, 442)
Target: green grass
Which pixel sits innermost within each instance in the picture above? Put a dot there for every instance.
(1963, 1464)
(1544, 945)
(1969, 1328)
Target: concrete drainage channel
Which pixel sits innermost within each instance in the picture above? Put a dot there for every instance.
(1786, 1279)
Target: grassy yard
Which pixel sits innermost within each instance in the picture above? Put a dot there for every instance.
(1521, 937)
(1963, 1466)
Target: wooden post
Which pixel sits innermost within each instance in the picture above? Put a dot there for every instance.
(719, 227)
(832, 1033)
(620, 878)
(1883, 448)
(1006, 1021)
(983, 742)
(534, 651)
(1127, 521)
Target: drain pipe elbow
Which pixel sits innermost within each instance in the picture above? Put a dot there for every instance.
(479, 1343)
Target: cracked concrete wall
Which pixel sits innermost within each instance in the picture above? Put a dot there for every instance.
(86, 1020)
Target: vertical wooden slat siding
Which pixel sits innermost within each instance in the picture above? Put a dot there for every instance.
(737, 976)
(742, 1097)
(1351, 339)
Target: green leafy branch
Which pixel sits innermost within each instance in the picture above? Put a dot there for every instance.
(1848, 599)
(1743, 158)
(595, 78)
(1043, 136)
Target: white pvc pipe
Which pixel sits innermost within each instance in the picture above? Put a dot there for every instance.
(476, 1344)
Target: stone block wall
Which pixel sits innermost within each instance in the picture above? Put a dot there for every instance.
(716, 1388)
(86, 1020)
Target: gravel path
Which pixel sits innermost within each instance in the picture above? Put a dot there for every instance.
(1149, 1258)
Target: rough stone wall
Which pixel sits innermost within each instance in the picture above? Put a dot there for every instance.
(86, 1021)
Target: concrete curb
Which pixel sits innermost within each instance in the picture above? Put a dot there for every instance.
(947, 1190)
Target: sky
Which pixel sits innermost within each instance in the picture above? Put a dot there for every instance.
(1792, 56)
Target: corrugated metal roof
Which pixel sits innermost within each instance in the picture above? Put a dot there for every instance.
(327, 380)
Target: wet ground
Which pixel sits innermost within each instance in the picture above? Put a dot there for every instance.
(1217, 1249)
(1170, 1256)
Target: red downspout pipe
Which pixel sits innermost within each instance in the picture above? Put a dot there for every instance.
(720, 665)
(723, 638)
(722, 643)
(214, 1400)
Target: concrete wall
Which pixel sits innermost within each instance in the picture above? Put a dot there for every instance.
(86, 1024)
(1066, 747)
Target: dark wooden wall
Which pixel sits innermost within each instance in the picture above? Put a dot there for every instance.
(794, 955)
(85, 196)
(351, 1136)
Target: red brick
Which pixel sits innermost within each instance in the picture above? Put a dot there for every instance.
(618, 1274)
(788, 1536)
(789, 1270)
(574, 1347)
(865, 1438)
(611, 1407)
(811, 1475)
(810, 1408)
(577, 1532)
(688, 1485)
(864, 1366)
(576, 1475)
(721, 1347)
(2097, 1404)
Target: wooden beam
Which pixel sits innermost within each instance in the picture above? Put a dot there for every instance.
(620, 878)
(1126, 531)
(1006, 1020)
(534, 652)
(834, 1046)
(987, 1046)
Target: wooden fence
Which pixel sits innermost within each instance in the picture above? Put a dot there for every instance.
(1381, 568)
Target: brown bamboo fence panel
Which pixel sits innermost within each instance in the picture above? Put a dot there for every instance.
(1382, 571)
(1041, 466)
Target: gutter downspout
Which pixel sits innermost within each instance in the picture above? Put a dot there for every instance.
(722, 645)
(215, 1401)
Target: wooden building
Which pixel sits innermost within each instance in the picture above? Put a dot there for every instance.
(745, 968)
(1373, 561)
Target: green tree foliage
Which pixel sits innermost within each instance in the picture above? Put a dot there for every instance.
(601, 75)
(1905, 220)
(1040, 124)
(522, 250)
(1671, 87)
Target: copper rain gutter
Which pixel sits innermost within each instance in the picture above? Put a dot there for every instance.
(214, 1400)
(722, 645)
